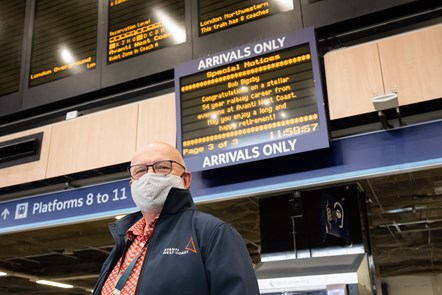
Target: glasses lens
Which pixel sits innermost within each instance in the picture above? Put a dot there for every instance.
(137, 171)
(163, 167)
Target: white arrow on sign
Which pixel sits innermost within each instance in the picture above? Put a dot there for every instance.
(5, 213)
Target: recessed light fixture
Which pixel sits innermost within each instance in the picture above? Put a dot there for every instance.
(55, 284)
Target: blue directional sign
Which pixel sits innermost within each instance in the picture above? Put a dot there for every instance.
(69, 206)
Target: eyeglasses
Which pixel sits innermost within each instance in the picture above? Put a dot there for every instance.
(161, 167)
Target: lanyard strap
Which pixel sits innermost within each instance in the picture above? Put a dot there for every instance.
(122, 279)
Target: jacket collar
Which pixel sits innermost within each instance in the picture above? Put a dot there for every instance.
(178, 200)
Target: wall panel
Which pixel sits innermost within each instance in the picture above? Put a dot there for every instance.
(31, 171)
(409, 64)
(97, 140)
(412, 64)
(353, 77)
(157, 120)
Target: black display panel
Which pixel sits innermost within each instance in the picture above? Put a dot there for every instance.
(272, 18)
(254, 102)
(216, 15)
(12, 22)
(64, 39)
(278, 221)
(321, 13)
(137, 27)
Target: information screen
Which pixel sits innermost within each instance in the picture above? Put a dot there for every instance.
(258, 101)
(12, 22)
(64, 39)
(216, 15)
(138, 26)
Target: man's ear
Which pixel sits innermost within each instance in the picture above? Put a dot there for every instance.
(187, 179)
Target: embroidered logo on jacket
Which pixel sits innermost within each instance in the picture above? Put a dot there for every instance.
(190, 247)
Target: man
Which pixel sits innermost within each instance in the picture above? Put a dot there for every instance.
(170, 248)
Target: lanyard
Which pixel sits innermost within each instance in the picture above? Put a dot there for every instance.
(122, 278)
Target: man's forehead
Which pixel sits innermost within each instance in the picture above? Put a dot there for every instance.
(153, 153)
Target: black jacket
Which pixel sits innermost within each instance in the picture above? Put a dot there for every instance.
(189, 253)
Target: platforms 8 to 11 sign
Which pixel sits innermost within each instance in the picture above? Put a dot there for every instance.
(254, 102)
(69, 206)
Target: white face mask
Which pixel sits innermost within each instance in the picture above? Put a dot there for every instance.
(150, 191)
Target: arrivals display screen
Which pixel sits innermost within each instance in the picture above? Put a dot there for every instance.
(216, 15)
(64, 39)
(137, 27)
(254, 102)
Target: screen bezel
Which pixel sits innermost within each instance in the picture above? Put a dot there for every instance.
(151, 63)
(312, 141)
(66, 87)
(245, 33)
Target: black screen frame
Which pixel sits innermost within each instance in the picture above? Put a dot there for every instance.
(144, 65)
(266, 27)
(63, 88)
(12, 102)
(256, 151)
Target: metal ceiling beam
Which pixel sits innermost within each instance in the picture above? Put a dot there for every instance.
(396, 224)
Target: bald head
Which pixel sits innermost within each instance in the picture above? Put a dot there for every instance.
(160, 151)
(156, 151)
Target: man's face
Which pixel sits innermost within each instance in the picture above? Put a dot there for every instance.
(157, 152)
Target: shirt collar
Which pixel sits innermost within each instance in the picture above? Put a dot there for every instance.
(138, 229)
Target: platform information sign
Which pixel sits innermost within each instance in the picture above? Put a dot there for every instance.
(63, 207)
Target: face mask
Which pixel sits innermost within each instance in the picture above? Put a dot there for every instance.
(150, 191)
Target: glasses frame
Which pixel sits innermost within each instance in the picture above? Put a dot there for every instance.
(153, 168)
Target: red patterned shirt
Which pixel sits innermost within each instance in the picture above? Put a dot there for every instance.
(139, 238)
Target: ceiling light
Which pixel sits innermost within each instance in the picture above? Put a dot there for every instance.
(68, 251)
(3, 273)
(66, 56)
(437, 187)
(178, 33)
(55, 284)
(284, 5)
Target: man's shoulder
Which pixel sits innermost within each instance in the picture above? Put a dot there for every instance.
(211, 231)
(210, 219)
(209, 223)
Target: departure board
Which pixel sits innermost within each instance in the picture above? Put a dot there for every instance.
(64, 39)
(137, 27)
(258, 101)
(216, 15)
(12, 22)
